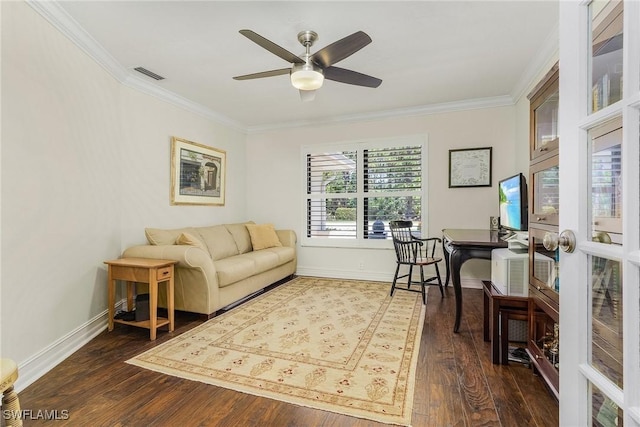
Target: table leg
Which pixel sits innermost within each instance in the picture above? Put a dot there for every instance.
(495, 331)
(504, 342)
(486, 326)
(111, 298)
(459, 255)
(170, 305)
(457, 258)
(446, 255)
(153, 302)
(130, 288)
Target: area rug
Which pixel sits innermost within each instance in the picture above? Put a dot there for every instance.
(343, 346)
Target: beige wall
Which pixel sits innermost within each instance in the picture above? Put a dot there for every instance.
(275, 181)
(85, 167)
(146, 158)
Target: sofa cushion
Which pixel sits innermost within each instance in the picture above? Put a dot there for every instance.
(241, 236)
(191, 240)
(267, 259)
(219, 241)
(284, 253)
(264, 260)
(233, 269)
(263, 236)
(159, 236)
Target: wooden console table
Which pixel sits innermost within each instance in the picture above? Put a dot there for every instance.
(142, 270)
(462, 245)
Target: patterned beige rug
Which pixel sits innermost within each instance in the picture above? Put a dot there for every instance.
(338, 345)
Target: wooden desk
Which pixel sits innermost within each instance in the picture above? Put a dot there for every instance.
(462, 245)
(142, 270)
(499, 308)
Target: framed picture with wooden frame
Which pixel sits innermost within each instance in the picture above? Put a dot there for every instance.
(470, 167)
(197, 173)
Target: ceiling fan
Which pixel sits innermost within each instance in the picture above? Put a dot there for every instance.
(309, 70)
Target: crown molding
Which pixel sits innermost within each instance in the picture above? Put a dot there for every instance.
(142, 85)
(63, 22)
(423, 110)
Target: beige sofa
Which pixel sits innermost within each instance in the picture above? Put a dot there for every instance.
(220, 264)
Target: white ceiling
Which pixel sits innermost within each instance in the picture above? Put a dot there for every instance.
(427, 53)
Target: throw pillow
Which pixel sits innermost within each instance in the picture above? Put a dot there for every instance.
(263, 236)
(191, 240)
(161, 237)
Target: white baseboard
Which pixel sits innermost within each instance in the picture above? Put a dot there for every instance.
(470, 282)
(344, 274)
(466, 282)
(46, 359)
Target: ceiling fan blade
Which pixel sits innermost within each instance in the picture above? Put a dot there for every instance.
(350, 77)
(341, 49)
(263, 74)
(272, 47)
(307, 95)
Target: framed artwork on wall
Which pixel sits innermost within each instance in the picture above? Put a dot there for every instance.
(470, 167)
(197, 173)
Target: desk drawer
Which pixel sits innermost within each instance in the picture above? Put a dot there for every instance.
(164, 273)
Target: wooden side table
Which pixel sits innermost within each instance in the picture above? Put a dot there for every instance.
(142, 270)
(501, 308)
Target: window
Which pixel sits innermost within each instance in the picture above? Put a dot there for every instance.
(354, 190)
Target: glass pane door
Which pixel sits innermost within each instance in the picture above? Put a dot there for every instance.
(599, 319)
(606, 318)
(606, 62)
(606, 182)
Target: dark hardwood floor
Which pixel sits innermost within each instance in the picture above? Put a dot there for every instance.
(456, 384)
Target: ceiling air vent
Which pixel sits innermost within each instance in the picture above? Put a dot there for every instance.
(148, 73)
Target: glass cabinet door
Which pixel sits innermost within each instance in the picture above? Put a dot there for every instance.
(544, 117)
(543, 266)
(545, 192)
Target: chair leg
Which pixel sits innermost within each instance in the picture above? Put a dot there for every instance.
(410, 276)
(395, 278)
(439, 279)
(422, 285)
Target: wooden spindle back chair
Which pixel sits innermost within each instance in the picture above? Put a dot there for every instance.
(414, 251)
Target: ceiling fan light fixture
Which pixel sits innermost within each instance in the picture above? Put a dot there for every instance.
(306, 77)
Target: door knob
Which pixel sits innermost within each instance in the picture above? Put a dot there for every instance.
(565, 241)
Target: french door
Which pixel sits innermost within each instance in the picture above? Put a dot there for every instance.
(599, 119)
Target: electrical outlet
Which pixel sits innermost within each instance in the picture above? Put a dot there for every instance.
(361, 265)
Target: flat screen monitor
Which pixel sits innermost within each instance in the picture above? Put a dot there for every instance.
(513, 203)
